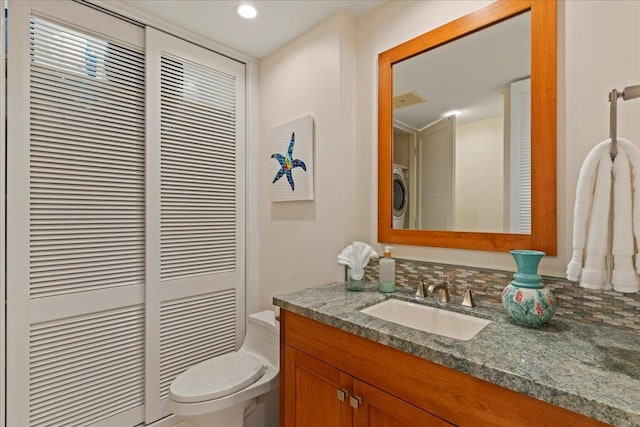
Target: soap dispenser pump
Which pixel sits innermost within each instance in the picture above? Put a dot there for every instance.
(387, 278)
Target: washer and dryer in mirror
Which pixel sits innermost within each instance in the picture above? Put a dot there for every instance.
(400, 196)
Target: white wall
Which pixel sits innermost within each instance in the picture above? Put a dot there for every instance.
(479, 177)
(314, 75)
(599, 49)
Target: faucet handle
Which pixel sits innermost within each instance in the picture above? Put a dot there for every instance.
(420, 290)
(443, 295)
(468, 301)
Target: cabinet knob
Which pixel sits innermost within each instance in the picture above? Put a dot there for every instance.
(355, 401)
(342, 394)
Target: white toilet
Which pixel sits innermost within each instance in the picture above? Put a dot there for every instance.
(236, 389)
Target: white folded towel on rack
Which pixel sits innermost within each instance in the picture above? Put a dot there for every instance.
(623, 277)
(595, 273)
(633, 153)
(606, 224)
(583, 205)
(627, 191)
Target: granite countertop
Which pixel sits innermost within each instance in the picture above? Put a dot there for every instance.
(592, 370)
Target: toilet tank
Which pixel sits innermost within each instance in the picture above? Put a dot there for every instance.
(263, 336)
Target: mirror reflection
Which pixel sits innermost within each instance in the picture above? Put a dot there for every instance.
(461, 137)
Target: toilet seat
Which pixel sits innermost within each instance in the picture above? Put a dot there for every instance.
(217, 377)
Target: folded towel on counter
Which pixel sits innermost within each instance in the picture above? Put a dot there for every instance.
(606, 223)
(356, 256)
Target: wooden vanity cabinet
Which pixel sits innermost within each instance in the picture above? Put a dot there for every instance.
(333, 378)
(317, 393)
(379, 409)
(320, 395)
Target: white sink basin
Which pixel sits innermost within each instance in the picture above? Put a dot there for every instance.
(428, 319)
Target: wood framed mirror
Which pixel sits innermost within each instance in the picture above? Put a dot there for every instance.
(538, 194)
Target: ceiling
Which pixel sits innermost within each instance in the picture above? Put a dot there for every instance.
(278, 21)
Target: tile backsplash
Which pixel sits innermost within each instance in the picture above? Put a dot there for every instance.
(574, 302)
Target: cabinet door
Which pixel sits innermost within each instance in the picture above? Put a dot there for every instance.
(380, 409)
(316, 394)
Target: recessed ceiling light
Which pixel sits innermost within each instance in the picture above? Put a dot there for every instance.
(452, 113)
(247, 11)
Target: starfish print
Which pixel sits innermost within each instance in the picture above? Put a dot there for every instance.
(287, 164)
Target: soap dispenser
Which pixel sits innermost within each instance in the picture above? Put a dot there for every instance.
(387, 278)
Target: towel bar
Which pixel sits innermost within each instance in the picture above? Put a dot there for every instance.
(628, 92)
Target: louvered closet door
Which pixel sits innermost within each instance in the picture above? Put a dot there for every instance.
(436, 156)
(195, 264)
(76, 153)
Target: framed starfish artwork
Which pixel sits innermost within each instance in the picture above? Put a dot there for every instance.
(291, 161)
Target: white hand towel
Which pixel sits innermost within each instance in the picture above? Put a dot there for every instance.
(595, 274)
(633, 153)
(356, 256)
(623, 276)
(582, 209)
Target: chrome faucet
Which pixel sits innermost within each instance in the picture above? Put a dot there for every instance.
(442, 292)
(420, 290)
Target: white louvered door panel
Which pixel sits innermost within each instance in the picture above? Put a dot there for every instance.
(76, 180)
(194, 329)
(436, 164)
(520, 157)
(198, 172)
(86, 368)
(195, 131)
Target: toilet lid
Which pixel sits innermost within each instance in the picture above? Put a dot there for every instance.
(217, 377)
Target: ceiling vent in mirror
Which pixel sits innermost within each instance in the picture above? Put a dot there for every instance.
(407, 99)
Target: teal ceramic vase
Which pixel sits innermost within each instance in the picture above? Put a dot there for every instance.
(525, 298)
